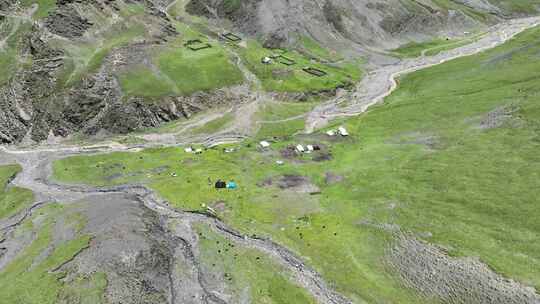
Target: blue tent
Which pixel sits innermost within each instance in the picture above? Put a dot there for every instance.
(232, 185)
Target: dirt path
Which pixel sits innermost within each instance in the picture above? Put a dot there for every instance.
(380, 83)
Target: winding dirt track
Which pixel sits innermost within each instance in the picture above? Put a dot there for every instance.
(374, 87)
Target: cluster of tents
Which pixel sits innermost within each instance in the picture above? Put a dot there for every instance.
(307, 149)
(193, 150)
(340, 131)
(220, 184)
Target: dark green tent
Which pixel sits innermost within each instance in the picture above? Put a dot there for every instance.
(221, 184)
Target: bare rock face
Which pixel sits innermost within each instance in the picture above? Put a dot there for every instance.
(12, 125)
(6, 4)
(373, 23)
(34, 83)
(379, 24)
(67, 22)
(481, 5)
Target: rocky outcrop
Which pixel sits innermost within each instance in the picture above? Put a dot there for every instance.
(34, 83)
(6, 4)
(67, 22)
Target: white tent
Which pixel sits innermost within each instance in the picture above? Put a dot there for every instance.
(188, 150)
(343, 132)
(264, 144)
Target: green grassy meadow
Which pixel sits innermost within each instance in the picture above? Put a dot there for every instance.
(31, 278)
(275, 117)
(415, 49)
(433, 47)
(313, 49)
(423, 151)
(141, 81)
(277, 77)
(215, 125)
(247, 271)
(202, 70)
(180, 71)
(44, 7)
(283, 110)
(12, 199)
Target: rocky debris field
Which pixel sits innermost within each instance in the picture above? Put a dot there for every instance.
(431, 271)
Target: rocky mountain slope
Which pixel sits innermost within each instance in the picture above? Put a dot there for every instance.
(92, 66)
(366, 23)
